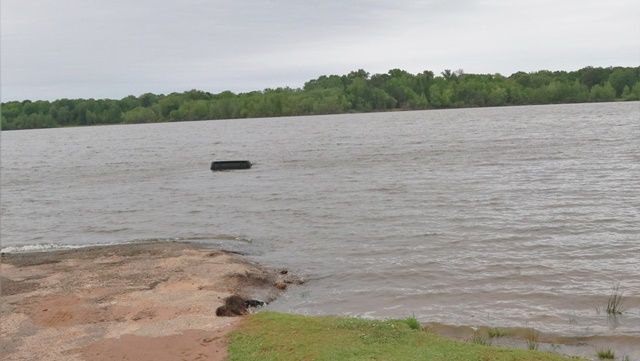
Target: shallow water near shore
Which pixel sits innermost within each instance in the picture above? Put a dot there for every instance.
(515, 216)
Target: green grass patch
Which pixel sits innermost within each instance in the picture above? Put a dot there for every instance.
(606, 354)
(276, 336)
(413, 323)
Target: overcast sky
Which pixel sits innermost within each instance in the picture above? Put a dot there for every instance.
(112, 48)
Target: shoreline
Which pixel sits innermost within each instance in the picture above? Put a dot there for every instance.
(104, 302)
(118, 301)
(523, 338)
(379, 111)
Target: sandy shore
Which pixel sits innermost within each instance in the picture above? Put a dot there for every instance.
(148, 301)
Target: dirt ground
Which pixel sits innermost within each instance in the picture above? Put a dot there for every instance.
(144, 301)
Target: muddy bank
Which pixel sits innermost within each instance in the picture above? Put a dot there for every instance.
(145, 301)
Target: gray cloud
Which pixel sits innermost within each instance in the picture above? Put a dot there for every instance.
(82, 48)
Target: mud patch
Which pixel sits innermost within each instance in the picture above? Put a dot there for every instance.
(237, 306)
(188, 345)
(10, 287)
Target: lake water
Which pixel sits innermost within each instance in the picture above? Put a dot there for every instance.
(513, 216)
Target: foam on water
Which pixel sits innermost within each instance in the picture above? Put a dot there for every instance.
(39, 248)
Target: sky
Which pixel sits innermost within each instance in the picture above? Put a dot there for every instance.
(53, 49)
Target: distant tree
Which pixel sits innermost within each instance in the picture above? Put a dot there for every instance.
(147, 99)
(602, 93)
(448, 74)
(325, 82)
(380, 100)
(634, 93)
(591, 76)
(359, 94)
(140, 115)
(358, 74)
(497, 96)
(622, 77)
(129, 102)
(356, 91)
(441, 95)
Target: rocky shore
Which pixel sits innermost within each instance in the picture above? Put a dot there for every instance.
(142, 301)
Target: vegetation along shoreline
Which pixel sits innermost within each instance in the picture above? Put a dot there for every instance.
(355, 92)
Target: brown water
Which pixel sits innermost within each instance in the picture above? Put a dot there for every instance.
(515, 216)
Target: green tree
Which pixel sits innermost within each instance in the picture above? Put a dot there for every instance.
(634, 93)
(359, 94)
(622, 77)
(140, 115)
(355, 91)
(591, 76)
(602, 93)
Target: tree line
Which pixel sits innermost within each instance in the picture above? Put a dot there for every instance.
(357, 91)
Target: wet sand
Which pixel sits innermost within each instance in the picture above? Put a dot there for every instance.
(144, 301)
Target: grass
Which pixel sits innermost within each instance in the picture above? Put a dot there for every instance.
(413, 323)
(532, 340)
(479, 339)
(606, 354)
(273, 336)
(496, 332)
(614, 304)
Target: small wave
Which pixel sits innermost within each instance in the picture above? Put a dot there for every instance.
(105, 230)
(44, 247)
(41, 247)
(217, 237)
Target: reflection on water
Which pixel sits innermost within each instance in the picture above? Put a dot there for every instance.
(518, 216)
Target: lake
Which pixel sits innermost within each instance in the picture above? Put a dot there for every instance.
(513, 216)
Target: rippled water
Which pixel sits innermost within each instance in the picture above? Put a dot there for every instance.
(516, 216)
